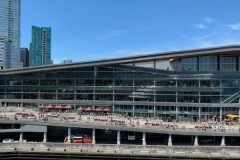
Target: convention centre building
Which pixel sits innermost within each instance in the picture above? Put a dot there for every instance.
(186, 85)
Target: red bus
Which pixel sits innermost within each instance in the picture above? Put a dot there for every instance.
(66, 139)
(79, 139)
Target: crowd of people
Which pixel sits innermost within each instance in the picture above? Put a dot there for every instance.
(112, 119)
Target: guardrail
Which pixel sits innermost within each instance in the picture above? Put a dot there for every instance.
(136, 151)
(120, 125)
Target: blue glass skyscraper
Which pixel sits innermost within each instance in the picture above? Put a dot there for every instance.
(40, 48)
(10, 33)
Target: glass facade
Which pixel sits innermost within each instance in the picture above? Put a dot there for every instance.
(219, 62)
(195, 92)
(40, 50)
(10, 33)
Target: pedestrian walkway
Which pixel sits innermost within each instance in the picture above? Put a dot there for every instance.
(23, 113)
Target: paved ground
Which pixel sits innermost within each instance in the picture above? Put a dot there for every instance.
(13, 112)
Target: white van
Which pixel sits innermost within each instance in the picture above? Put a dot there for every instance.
(8, 141)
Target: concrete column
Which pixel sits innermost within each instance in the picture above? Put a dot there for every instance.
(113, 96)
(144, 139)
(154, 98)
(93, 136)
(21, 137)
(113, 109)
(223, 141)
(169, 140)
(154, 111)
(118, 138)
(196, 141)
(44, 137)
(199, 115)
(133, 111)
(220, 114)
(69, 135)
(177, 110)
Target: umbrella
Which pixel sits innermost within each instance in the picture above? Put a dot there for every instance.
(232, 116)
(49, 106)
(107, 109)
(58, 107)
(99, 109)
(81, 109)
(42, 106)
(88, 109)
(68, 107)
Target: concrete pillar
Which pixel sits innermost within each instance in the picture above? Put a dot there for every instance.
(199, 115)
(133, 111)
(118, 138)
(144, 139)
(93, 136)
(154, 111)
(69, 135)
(169, 140)
(220, 114)
(44, 137)
(223, 141)
(177, 115)
(113, 109)
(21, 137)
(196, 141)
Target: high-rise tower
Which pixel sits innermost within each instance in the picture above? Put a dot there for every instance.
(10, 33)
(40, 48)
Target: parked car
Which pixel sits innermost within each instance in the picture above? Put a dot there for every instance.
(9, 141)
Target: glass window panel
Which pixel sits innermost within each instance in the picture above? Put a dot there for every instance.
(149, 64)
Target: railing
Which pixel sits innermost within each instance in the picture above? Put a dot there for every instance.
(231, 98)
(176, 128)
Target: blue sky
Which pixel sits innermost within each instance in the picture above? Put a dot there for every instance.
(95, 29)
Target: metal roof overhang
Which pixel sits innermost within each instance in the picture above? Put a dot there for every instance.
(130, 59)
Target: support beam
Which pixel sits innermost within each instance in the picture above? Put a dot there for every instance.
(69, 135)
(220, 114)
(177, 115)
(223, 141)
(21, 137)
(93, 136)
(199, 115)
(144, 139)
(118, 138)
(196, 141)
(169, 140)
(113, 109)
(133, 111)
(154, 111)
(44, 137)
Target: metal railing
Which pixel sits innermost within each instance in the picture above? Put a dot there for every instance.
(124, 125)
